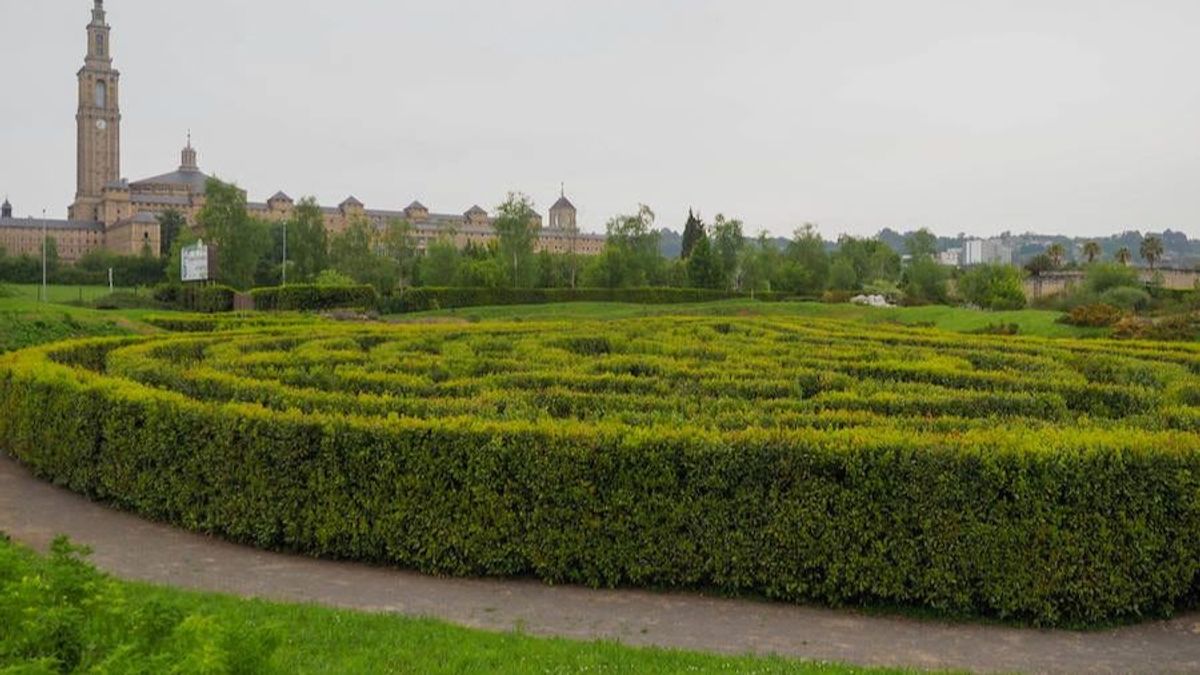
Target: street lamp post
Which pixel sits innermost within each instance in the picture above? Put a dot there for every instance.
(285, 252)
(45, 291)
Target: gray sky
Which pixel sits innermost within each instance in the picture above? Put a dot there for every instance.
(961, 115)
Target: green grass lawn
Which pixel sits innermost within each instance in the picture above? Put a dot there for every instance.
(957, 319)
(26, 323)
(62, 294)
(58, 614)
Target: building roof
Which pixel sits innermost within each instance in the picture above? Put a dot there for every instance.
(562, 203)
(475, 210)
(416, 206)
(280, 196)
(195, 180)
(350, 201)
(57, 225)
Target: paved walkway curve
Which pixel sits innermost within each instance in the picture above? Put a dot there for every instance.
(127, 546)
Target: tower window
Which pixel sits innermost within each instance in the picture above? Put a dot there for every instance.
(101, 94)
(100, 44)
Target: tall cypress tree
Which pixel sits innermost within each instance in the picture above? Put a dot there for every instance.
(692, 232)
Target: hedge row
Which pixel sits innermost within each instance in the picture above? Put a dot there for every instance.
(206, 299)
(802, 460)
(425, 299)
(312, 298)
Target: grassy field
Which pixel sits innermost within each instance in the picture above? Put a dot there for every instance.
(71, 618)
(61, 294)
(25, 323)
(956, 319)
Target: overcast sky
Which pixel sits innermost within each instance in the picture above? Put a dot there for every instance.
(976, 116)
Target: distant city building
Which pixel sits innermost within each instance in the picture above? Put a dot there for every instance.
(951, 257)
(986, 252)
(122, 216)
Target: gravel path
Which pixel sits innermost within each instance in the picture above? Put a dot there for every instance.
(34, 512)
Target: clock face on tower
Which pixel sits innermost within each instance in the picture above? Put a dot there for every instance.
(101, 125)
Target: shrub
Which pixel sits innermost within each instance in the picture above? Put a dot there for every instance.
(61, 615)
(423, 299)
(1102, 277)
(1126, 298)
(995, 287)
(207, 299)
(795, 458)
(314, 298)
(1094, 316)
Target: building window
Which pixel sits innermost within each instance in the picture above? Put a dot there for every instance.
(100, 44)
(101, 94)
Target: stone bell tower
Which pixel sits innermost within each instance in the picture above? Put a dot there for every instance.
(98, 122)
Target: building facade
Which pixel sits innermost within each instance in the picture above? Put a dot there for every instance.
(121, 216)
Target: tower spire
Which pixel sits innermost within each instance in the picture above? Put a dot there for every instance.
(187, 160)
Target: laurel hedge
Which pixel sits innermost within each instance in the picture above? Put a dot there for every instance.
(423, 299)
(1055, 482)
(303, 297)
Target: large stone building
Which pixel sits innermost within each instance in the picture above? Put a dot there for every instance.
(122, 216)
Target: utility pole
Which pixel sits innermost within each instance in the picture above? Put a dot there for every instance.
(45, 290)
(285, 252)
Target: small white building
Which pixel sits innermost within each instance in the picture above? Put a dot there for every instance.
(986, 251)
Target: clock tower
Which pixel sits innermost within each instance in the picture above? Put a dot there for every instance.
(98, 122)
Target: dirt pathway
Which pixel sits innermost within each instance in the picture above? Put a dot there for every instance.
(34, 512)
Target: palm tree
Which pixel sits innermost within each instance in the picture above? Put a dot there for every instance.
(1056, 253)
(1152, 250)
(1124, 256)
(1092, 251)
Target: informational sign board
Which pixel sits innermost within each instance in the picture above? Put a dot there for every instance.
(196, 262)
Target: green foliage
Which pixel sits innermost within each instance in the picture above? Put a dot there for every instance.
(728, 242)
(693, 230)
(995, 287)
(1099, 315)
(926, 282)
(805, 268)
(314, 298)
(59, 615)
(869, 259)
(426, 298)
(241, 241)
(207, 299)
(354, 253)
(704, 267)
(1127, 298)
(333, 278)
(440, 265)
(921, 244)
(170, 223)
(630, 258)
(797, 458)
(517, 227)
(1104, 276)
(842, 276)
(308, 245)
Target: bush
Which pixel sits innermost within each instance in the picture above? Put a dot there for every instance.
(1094, 316)
(994, 287)
(207, 299)
(423, 299)
(314, 298)
(59, 615)
(1102, 277)
(794, 458)
(1179, 328)
(1126, 298)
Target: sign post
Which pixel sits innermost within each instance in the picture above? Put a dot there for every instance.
(196, 262)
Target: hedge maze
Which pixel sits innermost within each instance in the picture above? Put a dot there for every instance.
(1049, 481)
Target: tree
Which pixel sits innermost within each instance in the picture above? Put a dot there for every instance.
(1056, 253)
(692, 231)
(1039, 265)
(926, 281)
(921, 244)
(804, 268)
(1152, 250)
(870, 259)
(517, 229)
(760, 260)
(1092, 251)
(440, 265)
(704, 266)
(842, 276)
(354, 253)
(1124, 256)
(308, 244)
(727, 242)
(630, 257)
(400, 248)
(185, 237)
(170, 223)
(241, 241)
(995, 287)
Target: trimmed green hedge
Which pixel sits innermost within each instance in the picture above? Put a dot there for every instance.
(1058, 524)
(425, 299)
(207, 299)
(311, 298)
